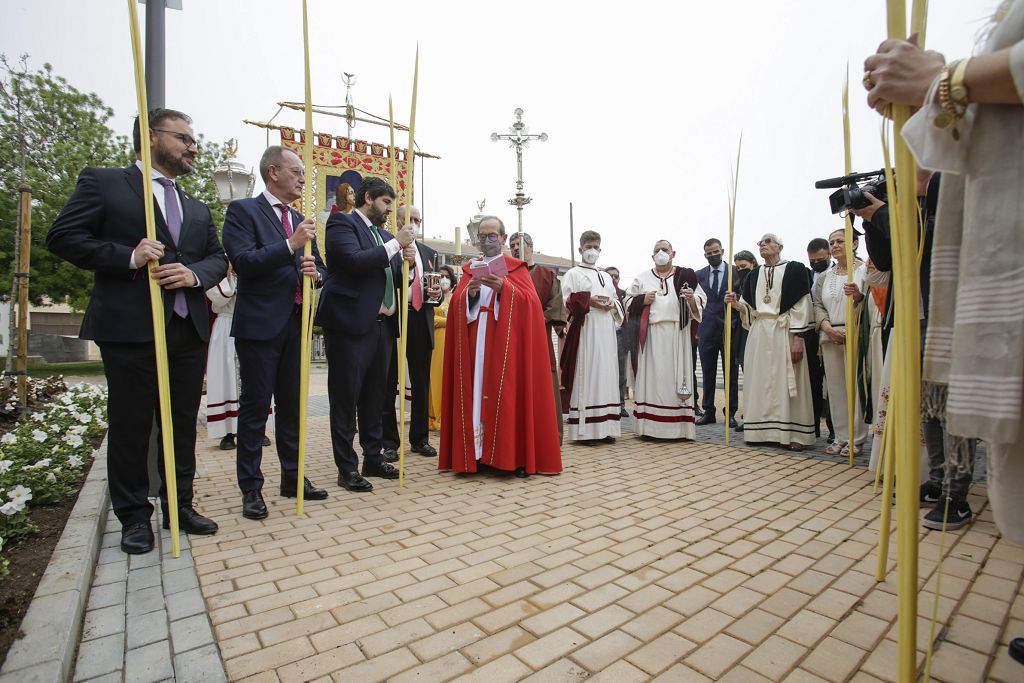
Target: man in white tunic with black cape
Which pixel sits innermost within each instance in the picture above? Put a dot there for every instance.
(775, 306)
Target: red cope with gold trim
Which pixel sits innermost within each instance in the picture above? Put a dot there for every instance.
(517, 398)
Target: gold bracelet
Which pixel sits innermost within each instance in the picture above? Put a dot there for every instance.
(957, 88)
(951, 110)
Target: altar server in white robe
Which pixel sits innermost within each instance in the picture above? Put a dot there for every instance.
(221, 377)
(775, 306)
(590, 366)
(662, 302)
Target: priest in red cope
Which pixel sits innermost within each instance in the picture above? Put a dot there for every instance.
(496, 398)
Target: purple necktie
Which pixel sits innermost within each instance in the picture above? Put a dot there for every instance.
(173, 215)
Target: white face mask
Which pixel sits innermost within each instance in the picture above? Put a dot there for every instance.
(446, 283)
(591, 255)
(662, 258)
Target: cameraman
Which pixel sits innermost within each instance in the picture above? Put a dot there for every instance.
(946, 476)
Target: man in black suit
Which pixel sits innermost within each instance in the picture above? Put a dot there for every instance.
(819, 259)
(358, 311)
(265, 238)
(711, 332)
(418, 351)
(103, 228)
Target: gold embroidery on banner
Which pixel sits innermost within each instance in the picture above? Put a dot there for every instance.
(504, 365)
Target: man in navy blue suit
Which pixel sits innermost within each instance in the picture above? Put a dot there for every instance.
(358, 313)
(711, 333)
(264, 238)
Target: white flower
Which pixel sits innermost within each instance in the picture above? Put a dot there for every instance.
(51, 477)
(39, 435)
(73, 440)
(77, 429)
(102, 424)
(11, 508)
(9, 407)
(75, 461)
(84, 418)
(5, 465)
(45, 462)
(21, 493)
(38, 417)
(8, 439)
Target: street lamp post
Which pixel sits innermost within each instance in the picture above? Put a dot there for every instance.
(519, 136)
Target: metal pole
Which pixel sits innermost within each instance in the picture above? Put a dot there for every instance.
(25, 238)
(572, 238)
(155, 54)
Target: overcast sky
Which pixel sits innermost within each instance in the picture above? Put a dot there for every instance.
(644, 102)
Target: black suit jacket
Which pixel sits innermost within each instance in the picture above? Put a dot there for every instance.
(267, 269)
(354, 288)
(424, 318)
(712, 322)
(99, 227)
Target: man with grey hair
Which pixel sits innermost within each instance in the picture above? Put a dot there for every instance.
(265, 239)
(775, 305)
(555, 316)
(418, 351)
(496, 402)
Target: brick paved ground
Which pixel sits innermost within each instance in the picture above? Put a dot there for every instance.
(677, 562)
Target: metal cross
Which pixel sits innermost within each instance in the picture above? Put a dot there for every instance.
(519, 136)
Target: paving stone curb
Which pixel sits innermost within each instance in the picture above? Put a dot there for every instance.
(52, 625)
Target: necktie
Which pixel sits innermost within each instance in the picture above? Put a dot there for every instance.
(286, 223)
(714, 282)
(389, 284)
(173, 215)
(417, 288)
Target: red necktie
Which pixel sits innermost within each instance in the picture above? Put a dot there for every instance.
(417, 288)
(286, 223)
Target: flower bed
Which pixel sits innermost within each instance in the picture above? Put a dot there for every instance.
(44, 452)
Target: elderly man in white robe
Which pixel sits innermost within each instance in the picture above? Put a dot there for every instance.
(662, 302)
(775, 306)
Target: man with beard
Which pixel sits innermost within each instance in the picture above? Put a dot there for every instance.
(662, 303)
(775, 306)
(265, 239)
(555, 315)
(496, 406)
(358, 312)
(714, 280)
(103, 228)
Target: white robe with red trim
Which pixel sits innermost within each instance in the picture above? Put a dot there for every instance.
(664, 372)
(221, 378)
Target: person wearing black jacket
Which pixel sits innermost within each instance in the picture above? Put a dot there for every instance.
(944, 479)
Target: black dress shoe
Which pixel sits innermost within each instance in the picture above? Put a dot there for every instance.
(191, 522)
(289, 489)
(253, 506)
(389, 454)
(738, 427)
(228, 442)
(623, 412)
(1017, 649)
(266, 440)
(384, 471)
(521, 472)
(732, 421)
(353, 481)
(706, 419)
(698, 412)
(137, 539)
(426, 450)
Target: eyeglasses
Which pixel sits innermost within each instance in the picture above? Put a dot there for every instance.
(187, 140)
(765, 243)
(491, 238)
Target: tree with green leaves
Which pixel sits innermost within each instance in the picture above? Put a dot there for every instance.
(49, 132)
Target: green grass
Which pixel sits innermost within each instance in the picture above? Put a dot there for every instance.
(81, 368)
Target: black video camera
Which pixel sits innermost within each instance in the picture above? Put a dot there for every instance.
(850, 194)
